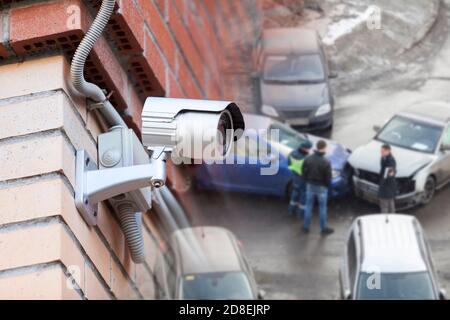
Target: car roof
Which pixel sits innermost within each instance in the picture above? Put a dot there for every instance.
(390, 244)
(435, 111)
(290, 41)
(206, 250)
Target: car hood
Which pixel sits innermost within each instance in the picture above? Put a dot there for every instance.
(336, 153)
(408, 161)
(294, 96)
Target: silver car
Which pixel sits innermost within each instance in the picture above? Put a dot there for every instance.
(420, 140)
(387, 258)
(205, 263)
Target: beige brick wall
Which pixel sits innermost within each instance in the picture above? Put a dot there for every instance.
(43, 239)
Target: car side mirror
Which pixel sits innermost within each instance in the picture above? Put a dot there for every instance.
(261, 294)
(442, 294)
(377, 128)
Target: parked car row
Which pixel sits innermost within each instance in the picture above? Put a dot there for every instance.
(386, 257)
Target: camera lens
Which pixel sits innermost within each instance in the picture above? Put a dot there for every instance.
(224, 133)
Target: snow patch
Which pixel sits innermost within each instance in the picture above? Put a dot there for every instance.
(346, 26)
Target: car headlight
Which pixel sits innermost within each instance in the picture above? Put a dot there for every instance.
(269, 111)
(323, 109)
(336, 174)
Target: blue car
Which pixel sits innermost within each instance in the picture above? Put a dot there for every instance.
(259, 162)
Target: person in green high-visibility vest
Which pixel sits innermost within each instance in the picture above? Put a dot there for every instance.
(298, 195)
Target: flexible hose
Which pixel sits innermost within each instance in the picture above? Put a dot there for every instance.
(88, 89)
(130, 221)
(131, 224)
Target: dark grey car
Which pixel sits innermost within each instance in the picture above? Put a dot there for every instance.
(293, 78)
(206, 263)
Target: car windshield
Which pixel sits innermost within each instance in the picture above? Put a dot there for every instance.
(294, 69)
(287, 137)
(217, 286)
(395, 286)
(411, 134)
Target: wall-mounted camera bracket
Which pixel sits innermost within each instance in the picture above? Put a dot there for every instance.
(94, 185)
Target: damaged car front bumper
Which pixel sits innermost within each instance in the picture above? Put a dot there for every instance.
(369, 191)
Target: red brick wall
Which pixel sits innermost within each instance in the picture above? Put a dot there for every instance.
(175, 48)
(178, 48)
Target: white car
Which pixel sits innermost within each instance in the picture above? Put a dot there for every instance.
(387, 258)
(420, 140)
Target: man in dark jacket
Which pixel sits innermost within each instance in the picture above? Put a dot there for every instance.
(298, 196)
(388, 184)
(317, 173)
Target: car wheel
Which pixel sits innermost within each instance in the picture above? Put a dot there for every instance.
(348, 174)
(430, 190)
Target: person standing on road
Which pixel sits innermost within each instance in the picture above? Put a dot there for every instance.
(388, 184)
(298, 196)
(317, 173)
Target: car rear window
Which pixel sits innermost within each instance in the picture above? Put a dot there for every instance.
(395, 286)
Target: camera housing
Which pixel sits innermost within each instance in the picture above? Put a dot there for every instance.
(194, 129)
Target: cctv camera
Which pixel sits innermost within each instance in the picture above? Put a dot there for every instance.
(195, 129)
(185, 127)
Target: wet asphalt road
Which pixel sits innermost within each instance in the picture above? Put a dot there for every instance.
(291, 265)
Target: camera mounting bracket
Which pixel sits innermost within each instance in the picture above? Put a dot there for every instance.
(94, 185)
